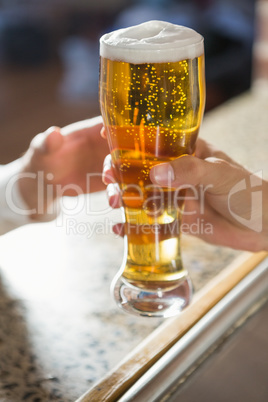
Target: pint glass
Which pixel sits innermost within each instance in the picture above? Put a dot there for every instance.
(152, 95)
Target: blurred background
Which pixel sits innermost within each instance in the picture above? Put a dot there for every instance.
(49, 56)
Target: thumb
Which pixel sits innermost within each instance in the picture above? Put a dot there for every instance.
(48, 142)
(217, 174)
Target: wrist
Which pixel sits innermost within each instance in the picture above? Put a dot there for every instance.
(42, 203)
(13, 208)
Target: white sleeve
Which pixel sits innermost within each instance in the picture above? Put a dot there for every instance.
(14, 212)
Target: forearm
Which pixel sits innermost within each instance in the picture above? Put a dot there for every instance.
(13, 208)
(23, 198)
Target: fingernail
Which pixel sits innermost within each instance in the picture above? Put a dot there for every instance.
(112, 195)
(162, 174)
(107, 176)
(51, 129)
(111, 190)
(42, 145)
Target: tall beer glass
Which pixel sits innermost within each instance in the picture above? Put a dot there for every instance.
(152, 95)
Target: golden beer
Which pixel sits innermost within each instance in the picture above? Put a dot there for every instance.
(152, 112)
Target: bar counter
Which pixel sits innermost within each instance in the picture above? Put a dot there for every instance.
(60, 331)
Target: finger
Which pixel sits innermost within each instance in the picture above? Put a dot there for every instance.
(218, 175)
(113, 194)
(54, 140)
(206, 150)
(103, 133)
(107, 172)
(213, 228)
(118, 229)
(48, 142)
(88, 125)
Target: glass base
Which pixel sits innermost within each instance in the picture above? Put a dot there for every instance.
(152, 303)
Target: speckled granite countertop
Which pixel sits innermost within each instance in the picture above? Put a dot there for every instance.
(60, 330)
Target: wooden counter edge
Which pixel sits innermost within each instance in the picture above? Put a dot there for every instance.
(136, 363)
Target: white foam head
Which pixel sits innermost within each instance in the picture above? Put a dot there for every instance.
(152, 42)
